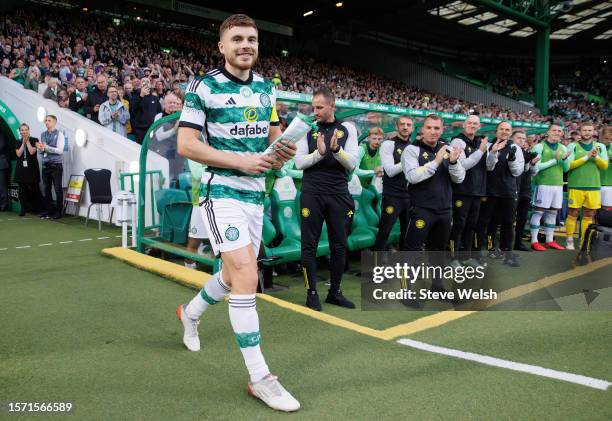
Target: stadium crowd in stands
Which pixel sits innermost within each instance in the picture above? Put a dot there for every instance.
(75, 62)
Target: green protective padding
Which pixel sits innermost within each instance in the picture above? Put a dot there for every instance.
(174, 208)
(363, 235)
(390, 109)
(249, 339)
(207, 297)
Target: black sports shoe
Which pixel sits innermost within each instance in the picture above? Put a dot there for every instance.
(511, 260)
(338, 299)
(496, 254)
(312, 300)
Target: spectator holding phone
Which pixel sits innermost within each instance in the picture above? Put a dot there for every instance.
(144, 106)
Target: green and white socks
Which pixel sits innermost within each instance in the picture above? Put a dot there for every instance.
(245, 322)
(214, 290)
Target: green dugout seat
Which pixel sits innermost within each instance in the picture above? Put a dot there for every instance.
(184, 180)
(285, 219)
(174, 208)
(269, 231)
(363, 235)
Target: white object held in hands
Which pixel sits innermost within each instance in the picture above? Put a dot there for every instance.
(297, 129)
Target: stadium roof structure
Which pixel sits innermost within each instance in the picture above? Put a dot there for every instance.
(568, 18)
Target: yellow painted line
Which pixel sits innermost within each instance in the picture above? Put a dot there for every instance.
(519, 291)
(185, 276)
(423, 323)
(196, 279)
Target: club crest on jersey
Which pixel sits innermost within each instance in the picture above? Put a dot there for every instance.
(265, 100)
(425, 155)
(458, 203)
(250, 114)
(246, 92)
(349, 213)
(305, 212)
(315, 135)
(339, 134)
(420, 224)
(232, 233)
(389, 209)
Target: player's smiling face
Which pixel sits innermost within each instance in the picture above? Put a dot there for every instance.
(239, 45)
(554, 133)
(431, 131)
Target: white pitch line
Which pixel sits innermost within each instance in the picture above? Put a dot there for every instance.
(65, 242)
(2, 249)
(117, 236)
(510, 365)
(86, 239)
(103, 238)
(23, 247)
(45, 244)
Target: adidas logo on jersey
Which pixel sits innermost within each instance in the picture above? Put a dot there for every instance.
(248, 130)
(230, 101)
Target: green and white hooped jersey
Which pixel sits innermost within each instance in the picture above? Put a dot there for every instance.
(234, 116)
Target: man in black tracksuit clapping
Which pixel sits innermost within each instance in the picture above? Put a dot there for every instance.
(430, 167)
(467, 196)
(327, 156)
(505, 163)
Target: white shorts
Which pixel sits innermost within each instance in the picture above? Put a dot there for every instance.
(197, 229)
(232, 224)
(548, 197)
(606, 196)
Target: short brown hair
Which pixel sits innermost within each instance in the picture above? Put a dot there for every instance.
(376, 130)
(405, 117)
(587, 124)
(432, 117)
(326, 93)
(236, 20)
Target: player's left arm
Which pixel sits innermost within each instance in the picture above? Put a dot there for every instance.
(565, 161)
(347, 155)
(601, 160)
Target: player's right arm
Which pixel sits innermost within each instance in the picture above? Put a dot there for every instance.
(541, 166)
(573, 162)
(189, 145)
(386, 158)
(472, 160)
(359, 172)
